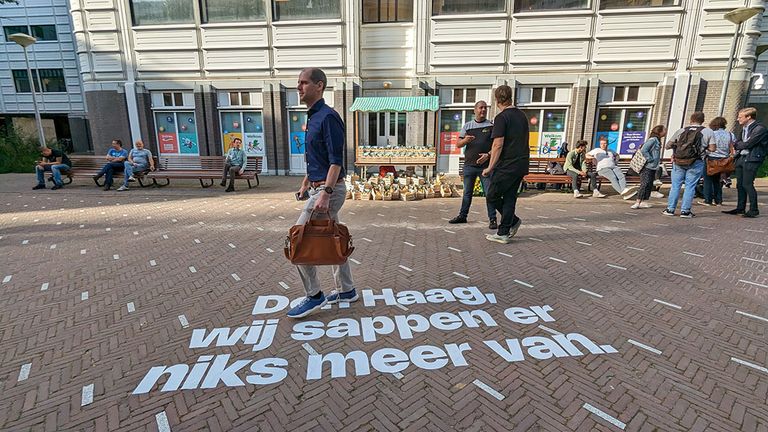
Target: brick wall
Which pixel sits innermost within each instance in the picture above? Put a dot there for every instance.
(707, 99)
(108, 118)
(275, 130)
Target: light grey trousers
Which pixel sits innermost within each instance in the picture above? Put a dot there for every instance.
(342, 275)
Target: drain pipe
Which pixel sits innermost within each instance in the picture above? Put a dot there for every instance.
(130, 83)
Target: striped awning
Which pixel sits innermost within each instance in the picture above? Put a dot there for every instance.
(396, 104)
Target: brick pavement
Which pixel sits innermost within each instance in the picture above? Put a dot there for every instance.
(691, 345)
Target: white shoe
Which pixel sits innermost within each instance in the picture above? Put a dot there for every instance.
(657, 194)
(630, 195)
(577, 194)
(635, 206)
(645, 205)
(704, 203)
(131, 179)
(657, 183)
(498, 238)
(596, 194)
(122, 188)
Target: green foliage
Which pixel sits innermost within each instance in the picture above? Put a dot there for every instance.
(763, 171)
(18, 154)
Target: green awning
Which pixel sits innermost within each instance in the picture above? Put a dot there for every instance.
(396, 104)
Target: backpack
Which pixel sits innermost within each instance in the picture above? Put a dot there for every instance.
(687, 148)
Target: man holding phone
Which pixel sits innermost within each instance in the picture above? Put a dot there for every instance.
(324, 184)
(475, 135)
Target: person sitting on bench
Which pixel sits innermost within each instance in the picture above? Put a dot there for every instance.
(576, 168)
(54, 161)
(234, 164)
(606, 167)
(115, 158)
(139, 160)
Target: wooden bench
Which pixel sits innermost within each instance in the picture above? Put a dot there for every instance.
(88, 166)
(208, 168)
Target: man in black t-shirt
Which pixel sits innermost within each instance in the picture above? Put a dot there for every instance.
(54, 161)
(508, 164)
(476, 136)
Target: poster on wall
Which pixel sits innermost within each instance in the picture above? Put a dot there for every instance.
(613, 140)
(227, 138)
(533, 144)
(188, 134)
(631, 141)
(550, 143)
(449, 142)
(297, 142)
(168, 142)
(253, 144)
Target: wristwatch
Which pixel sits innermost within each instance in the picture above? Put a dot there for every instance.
(328, 190)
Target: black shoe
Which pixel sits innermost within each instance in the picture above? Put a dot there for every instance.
(458, 220)
(492, 225)
(222, 184)
(107, 187)
(733, 212)
(40, 186)
(751, 214)
(96, 177)
(56, 187)
(515, 227)
(230, 189)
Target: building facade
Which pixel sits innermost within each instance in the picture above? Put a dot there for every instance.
(189, 75)
(54, 69)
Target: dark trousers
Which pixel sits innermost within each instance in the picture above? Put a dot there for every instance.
(471, 173)
(575, 180)
(713, 189)
(745, 178)
(647, 176)
(232, 171)
(108, 171)
(502, 194)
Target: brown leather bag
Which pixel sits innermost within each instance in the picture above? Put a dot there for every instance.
(718, 166)
(318, 242)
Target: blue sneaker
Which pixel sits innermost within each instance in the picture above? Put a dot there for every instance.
(307, 306)
(349, 296)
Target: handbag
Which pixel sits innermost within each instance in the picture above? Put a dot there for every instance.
(638, 162)
(719, 166)
(318, 242)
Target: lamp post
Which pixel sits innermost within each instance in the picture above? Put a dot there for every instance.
(736, 16)
(25, 40)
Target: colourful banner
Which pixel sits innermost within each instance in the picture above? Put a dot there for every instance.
(168, 142)
(188, 143)
(613, 140)
(448, 143)
(533, 144)
(253, 144)
(550, 144)
(631, 141)
(227, 138)
(297, 142)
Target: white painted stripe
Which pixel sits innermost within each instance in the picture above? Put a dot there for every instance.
(630, 214)
(413, 217)
(232, 246)
(7, 278)
(461, 275)
(700, 239)
(751, 316)
(44, 287)
(454, 249)
(284, 285)
(612, 420)
(84, 295)
(580, 219)
(376, 225)
(449, 231)
(649, 235)
(558, 260)
(523, 283)
(755, 260)
(681, 274)
(703, 227)
(260, 228)
(270, 250)
(162, 422)
(174, 220)
(618, 221)
(87, 397)
(24, 371)
(584, 243)
(379, 214)
(754, 243)
(192, 269)
(197, 241)
(595, 212)
(445, 219)
(561, 210)
(505, 254)
(753, 283)
(281, 217)
(536, 239)
(549, 330)
(543, 217)
(411, 228)
(667, 304)
(309, 348)
(235, 277)
(693, 254)
(409, 244)
(398, 375)
(152, 263)
(25, 242)
(352, 213)
(749, 364)
(755, 231)
(134, 233)
(83, 251)
(131, 307)
(590, 293)
(367, 239)
(636, 248)
(661, 224)
(53, 246)
(405, 268)
(117, 257)
(109, 229)
(644, 346)
(602, 230)
(616, 266)
(354, 261)
(483, 386)
(183, 321)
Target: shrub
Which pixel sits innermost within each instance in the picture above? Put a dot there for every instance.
(18, 154)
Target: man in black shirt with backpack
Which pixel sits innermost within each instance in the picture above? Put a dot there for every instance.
(689, 145)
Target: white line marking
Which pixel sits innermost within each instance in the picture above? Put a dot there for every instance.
(755, 260)
(616, 266)
(152, 263)
(595, 212)
(703, 227)
(661, 224)
(681, 274)
(413, 217)
(751, 316)
(612, 420)
(270, 250)
(602, 230)
(379, 214)
(562, 210)
(87, 397)
(590, 293)
(755, 231)
(445, 219)
(367, 239)
(197, 241)
(754, 243)
(483, 386)
(748, 364)
(260, 228)
(7, 278)
(84, 295)
(162, 422)
(461, 275)
(174, 220)
(693, 254)
(668, 304)
(131, 307)
(699, 238)
(398, 375)
(636, 248)
(354, 261)
(535, 239)
(449, 231)
(44, 287)
(411, 228)
(454, 249)
(309, 348)
(558, 260)
(644, 346)
(543, 217)
(584, 243)
(53, 246)
(192, 269)
(284, 285)
(83, 251)
(618, 221)
(25, 242)
(352, 213)
(109, 229)
(649, 235)
(376, 225)
(165, 236)
(134, 233)
(405, 268)
(117, 257)
(183, 321)
(232, 246)
(505, 254)
(24, 371)
(409, 244)
(235, 277)
(523, 283)
(281, 217)
(580, 219)
(753, 283)
(547, 329)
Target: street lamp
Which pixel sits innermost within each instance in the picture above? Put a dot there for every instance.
(25, 40)
(736, 16)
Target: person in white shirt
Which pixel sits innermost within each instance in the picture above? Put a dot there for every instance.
(606, 167)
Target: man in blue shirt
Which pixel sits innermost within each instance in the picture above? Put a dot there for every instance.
(324, 183)
(115, 158)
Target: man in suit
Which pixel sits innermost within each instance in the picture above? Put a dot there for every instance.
(751, 148)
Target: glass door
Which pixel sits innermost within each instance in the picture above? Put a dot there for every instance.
(297, 129)
(390, 128)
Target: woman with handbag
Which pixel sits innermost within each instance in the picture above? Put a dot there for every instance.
(651, 151)
(718, 161)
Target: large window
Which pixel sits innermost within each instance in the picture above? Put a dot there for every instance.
(625, 128)
(455, 7)
(246, 125)
(44, 32)
(618, 4)
(177, 132)
(546, 131)
(149, 12)
(49, 80)
(539, 5)
(233, 10)
(381, 11)
(306, 9)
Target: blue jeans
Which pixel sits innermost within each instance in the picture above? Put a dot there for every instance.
(108, 170)
(689, 175)
(471, 173)
(53, 169)
(130, 169)
(713, 189)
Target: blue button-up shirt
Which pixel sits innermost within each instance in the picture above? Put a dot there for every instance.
(324, 143)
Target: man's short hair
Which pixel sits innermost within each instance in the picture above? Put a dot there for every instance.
(477, 104)
(750, 112)
(237, 139)
(602, 138)
(581, 143)
(43, 148)
(316, 75)
(120, 143)
(503, 94)
(697, 117)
